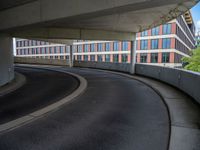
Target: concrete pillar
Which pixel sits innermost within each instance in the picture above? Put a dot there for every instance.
(71, 56)
(133, 55)
(6, 59)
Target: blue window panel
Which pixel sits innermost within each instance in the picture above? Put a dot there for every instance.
(107, 46)
(92, 48)
(86, 48)
(80, 48)
(166, 43)
(116, 46)
(154, 44)
(107, 58)
(144, 33)
(144, 44)
(100, 47)
(124, 46)
(167, 29)
(155, 31)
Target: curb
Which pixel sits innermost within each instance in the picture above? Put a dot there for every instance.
(18, 82)
(41, 112)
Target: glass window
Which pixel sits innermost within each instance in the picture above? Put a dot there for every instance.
(155, 31)
(107, 46)
(166, 43)
(124, 46)
(144, 44)
(80, 48)
(79, 57)
(165, 57)
(99, 58)
(100, 47)
(43, 50)
(85, 57)
(115, 58)
(143, 58)
(116, 46)
(107, 58)
(51, 50)
(86, 48)
(167, 29)
(61, 49)
(154, 57)
(124, 58)
(144, 33)
(154, 44)
(92, 47)
(67, 57)
(92, 57)
(62, 57)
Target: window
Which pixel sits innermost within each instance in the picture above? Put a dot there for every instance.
(56, 57)
(116, 46)
(124, 58)
(61, 49)
(155, 31)
(86, 48)
(124, 46)
(115, 58)
(99, 58)
(92, 47)
(107, 58)
(165, 57)
(144, 33)
(62, 57)
(85, 57)
(154, 44)
(144, 44)
(79, 57)
(100, 46)
(67, 57)
(167, 29)
(80, 48)
(154, 57)
(107, 46)
(43, 50)
(166, 43)
(143, 58)
(92, 57)
(51, 50)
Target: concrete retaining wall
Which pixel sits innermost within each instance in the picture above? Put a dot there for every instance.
(28, 60)
(104, 65)
(187, 81)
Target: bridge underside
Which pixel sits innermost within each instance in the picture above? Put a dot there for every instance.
(61, 20)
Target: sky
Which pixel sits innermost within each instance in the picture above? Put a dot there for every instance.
(196, 15)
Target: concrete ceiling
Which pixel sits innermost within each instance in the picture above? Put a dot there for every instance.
(7, 4)
(47, 18)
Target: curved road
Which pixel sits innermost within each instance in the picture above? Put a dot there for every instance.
(42, 88)
(114, 113)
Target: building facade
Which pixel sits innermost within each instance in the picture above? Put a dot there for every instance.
(163, 45)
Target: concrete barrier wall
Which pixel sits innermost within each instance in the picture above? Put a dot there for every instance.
(41, 61)
(187, 81)
(104, 65)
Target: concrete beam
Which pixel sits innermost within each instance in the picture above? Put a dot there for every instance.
(67, 33)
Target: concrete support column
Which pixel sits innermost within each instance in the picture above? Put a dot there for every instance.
(6, 59)
(133, 55)
(71, 56)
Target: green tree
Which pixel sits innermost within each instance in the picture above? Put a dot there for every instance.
(193, 62)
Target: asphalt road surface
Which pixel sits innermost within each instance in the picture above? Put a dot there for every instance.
(114, 113)
(42, 88)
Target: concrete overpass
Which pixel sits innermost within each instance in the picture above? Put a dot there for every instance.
(76, 19)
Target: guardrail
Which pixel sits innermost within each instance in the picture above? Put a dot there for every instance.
(41, 61)
(187, 81)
